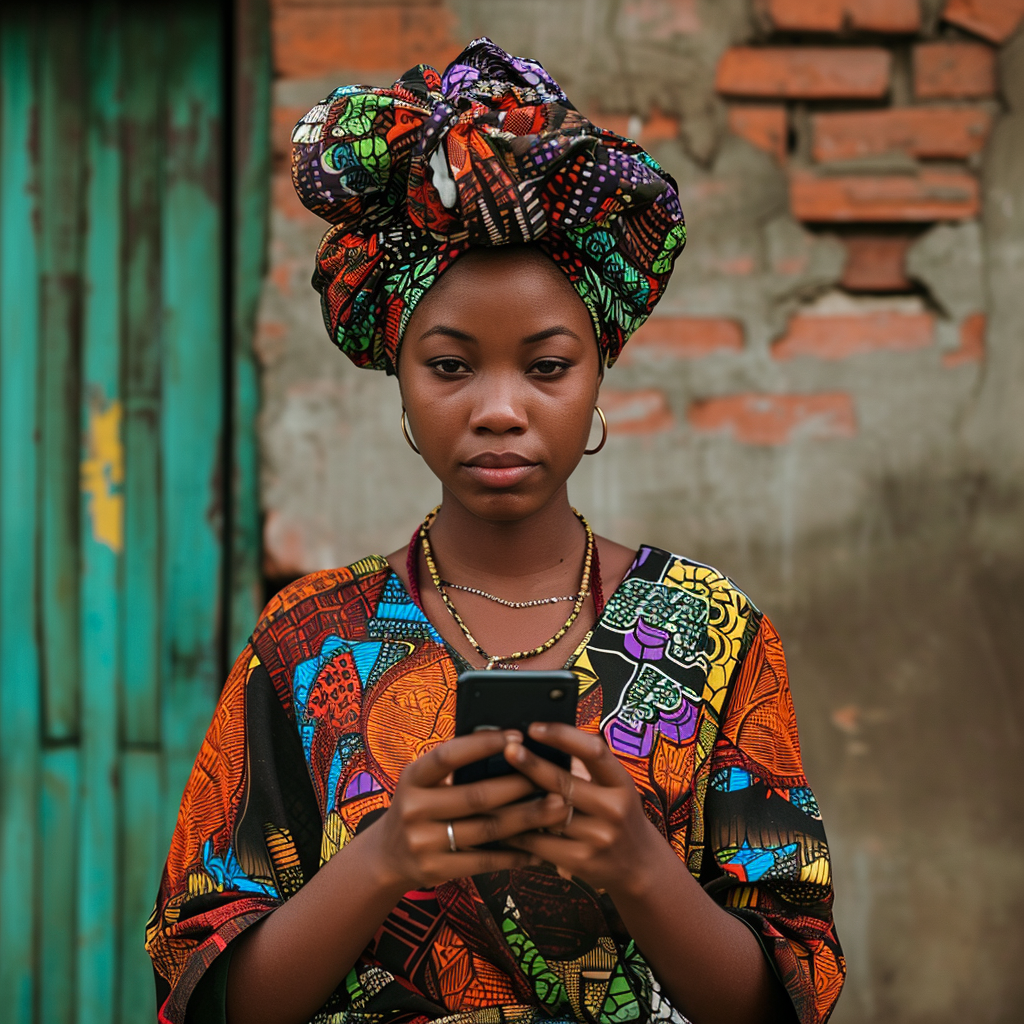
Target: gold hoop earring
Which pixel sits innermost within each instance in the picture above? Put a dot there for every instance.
(405, 434)
(604, 433)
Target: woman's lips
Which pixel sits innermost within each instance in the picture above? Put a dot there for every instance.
(499, 469)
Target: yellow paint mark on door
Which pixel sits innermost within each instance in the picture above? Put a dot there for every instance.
(103, 474)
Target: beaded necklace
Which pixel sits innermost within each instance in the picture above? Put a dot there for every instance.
(591, 572)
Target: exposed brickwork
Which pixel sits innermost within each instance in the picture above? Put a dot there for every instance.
(656, 127)
(659, 127)
(876, 263)
(764, 125)
(765, 419)
(805, 72)
(839, 337)
(927, 196)
(954, 71)
(315, 39)
(683, 337)
(835, 15)
(949, 132)
(990, 19)
(643, 411)
(972, 342)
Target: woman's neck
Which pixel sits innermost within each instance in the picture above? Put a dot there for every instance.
(548, 544)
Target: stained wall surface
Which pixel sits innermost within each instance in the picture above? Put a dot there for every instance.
(827, 406)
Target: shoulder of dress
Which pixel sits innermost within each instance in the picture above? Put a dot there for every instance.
(672, 570)
(325, 587)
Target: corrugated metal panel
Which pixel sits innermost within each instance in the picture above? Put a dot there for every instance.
(128, 516)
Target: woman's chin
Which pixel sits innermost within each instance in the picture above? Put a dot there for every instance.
(507, 504)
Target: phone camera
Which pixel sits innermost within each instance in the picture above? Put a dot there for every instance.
(556, 694)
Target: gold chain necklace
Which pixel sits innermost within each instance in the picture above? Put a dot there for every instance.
(448, 585)
(493, 660)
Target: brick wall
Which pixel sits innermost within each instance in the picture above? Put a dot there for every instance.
(874, 116)
(827, 404)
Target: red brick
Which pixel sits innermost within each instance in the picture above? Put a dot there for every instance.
(833, 15)
(929, 195)
(884, 15)
(659, 127)
(972, 342)
(766, 419)
(839, 337)
(315, 40)
(954, 71)
(644, 411)
(804, 15)
(876, 263)
(949, 132)
(805, 72)
(990, 19)
(684, 337)
(762, 126)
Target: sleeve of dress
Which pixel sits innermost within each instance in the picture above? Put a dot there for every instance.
(767, 859)
(247, 837)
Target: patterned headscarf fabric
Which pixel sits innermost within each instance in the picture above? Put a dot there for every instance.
(491, 153)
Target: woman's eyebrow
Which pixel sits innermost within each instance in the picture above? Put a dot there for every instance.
(550, 332)
(448, 332)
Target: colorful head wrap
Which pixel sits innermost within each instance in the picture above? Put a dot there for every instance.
(492, 153)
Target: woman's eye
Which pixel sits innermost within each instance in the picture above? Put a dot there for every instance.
(449, 367)
(549, 367)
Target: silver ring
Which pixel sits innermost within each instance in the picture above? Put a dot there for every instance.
(451, 839)
(568, 818)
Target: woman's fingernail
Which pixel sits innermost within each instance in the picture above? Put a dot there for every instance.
(513, 736)
(539, 728)
(515, 752)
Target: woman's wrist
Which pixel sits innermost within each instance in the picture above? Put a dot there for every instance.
(378, 865)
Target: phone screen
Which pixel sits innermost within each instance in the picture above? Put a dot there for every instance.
(508, 699)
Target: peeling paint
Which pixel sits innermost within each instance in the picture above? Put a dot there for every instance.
(103, 473)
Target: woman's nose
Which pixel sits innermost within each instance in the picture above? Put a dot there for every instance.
(498, 409)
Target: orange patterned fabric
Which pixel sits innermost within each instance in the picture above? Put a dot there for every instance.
(345, 682)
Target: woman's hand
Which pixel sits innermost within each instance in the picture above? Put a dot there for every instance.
(412, 838)
(603, 837)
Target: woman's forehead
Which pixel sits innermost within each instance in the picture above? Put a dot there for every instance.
(519, 278)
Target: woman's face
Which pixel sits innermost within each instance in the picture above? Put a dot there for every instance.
(499, 372)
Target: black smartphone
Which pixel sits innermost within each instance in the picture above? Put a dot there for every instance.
(508, 699)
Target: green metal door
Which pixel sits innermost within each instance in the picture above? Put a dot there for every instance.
(133, 158)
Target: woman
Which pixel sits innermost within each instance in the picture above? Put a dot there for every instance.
(495, 250)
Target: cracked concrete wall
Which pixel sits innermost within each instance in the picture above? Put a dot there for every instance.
(852, 456)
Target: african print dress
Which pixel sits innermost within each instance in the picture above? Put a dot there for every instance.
(345, 682)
